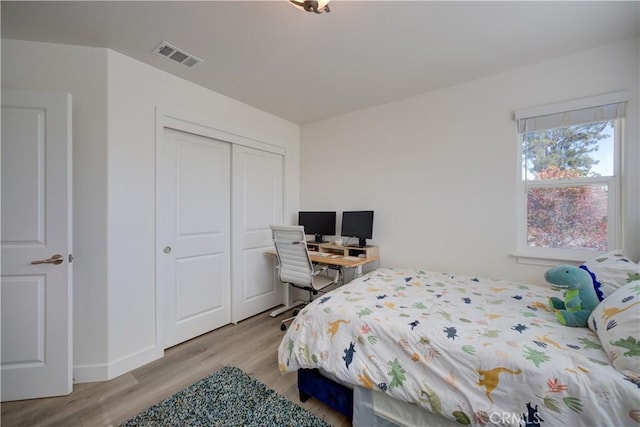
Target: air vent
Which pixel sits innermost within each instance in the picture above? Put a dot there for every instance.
(177, 55)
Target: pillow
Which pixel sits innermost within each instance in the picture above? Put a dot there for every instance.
(616, 321)
(611, 271)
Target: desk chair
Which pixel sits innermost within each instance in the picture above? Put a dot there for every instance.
(294, 265)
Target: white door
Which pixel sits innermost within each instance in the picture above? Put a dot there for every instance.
(193, 234)
(36, 226)
(257, 203)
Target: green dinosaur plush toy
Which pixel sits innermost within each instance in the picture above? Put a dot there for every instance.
(579, 297)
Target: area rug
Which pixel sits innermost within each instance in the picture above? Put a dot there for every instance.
(228, 397)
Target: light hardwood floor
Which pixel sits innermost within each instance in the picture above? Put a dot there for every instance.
(251, 345)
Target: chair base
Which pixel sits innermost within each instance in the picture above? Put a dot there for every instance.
(283, 324)
(312, 293)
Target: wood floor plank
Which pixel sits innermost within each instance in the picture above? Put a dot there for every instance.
(250, 345)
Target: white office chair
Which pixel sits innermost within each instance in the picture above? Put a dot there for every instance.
(294, 265)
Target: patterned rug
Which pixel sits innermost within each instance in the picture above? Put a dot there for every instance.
(228, 397)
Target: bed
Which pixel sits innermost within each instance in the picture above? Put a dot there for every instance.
(452, 349)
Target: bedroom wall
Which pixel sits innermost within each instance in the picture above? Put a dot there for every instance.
(114, 107)
(440, 169)
(82, 72)
(134, 91)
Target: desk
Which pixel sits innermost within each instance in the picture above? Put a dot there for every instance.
(338, 261)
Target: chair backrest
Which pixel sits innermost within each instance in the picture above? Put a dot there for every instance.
(295, 264)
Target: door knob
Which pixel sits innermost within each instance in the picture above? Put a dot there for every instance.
(167, 249)
(56, 259)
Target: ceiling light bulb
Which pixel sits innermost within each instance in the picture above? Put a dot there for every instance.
(314, 6)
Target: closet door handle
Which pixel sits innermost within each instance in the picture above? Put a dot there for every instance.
(167, 249)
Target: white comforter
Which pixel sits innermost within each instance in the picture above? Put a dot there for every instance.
(473, 350)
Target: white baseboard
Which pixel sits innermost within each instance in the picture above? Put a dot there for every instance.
(108, 371)
(90, 373)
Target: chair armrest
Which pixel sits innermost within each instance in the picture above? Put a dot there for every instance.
(322, 269)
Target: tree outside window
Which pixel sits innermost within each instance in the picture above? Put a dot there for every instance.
(568, 173)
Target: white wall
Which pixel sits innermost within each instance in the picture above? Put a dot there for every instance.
(81, 72)
(439, 169)
(114, 110)
(135, 90)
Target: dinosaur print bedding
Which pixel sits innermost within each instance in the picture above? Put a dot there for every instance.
(477, 351)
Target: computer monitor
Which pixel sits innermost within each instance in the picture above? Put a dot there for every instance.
(358, 224)
(318, 224)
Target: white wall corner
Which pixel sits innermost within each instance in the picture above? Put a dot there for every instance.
(109, 371)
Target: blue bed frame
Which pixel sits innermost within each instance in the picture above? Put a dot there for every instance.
(337, 396)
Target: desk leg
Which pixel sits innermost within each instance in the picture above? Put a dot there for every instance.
(288, 305)
(357, 271)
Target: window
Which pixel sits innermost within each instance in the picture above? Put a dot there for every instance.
(569, 178)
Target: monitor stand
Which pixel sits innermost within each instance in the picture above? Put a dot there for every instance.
(320, 239)
(362, 243)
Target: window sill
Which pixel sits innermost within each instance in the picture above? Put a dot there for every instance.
(553, 259)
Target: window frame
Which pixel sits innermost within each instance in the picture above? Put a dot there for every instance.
(614, 205)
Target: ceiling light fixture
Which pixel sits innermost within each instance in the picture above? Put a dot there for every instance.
(312, 5)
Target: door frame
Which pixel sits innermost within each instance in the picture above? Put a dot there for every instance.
(167, 118)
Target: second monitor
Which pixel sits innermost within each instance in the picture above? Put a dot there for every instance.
(319, 224)
(358, 224)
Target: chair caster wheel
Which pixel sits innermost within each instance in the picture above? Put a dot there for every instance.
(295, 312)
(283, 327)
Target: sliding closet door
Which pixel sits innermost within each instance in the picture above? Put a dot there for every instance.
(257, 203)
(193, 234)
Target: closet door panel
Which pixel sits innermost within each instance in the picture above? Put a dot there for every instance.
(258, 182)
(193, 235)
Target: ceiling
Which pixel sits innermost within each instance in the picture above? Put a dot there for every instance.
(305, 67)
